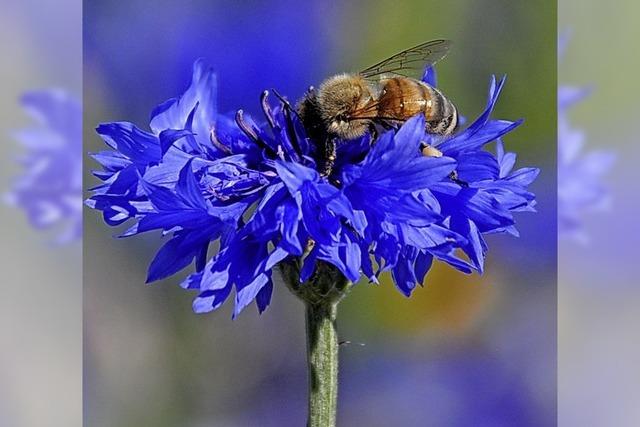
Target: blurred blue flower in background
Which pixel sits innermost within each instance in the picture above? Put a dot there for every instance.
(580, 174)
(49, 189)
(201, 177)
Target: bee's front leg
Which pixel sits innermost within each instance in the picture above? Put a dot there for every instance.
(373, 132)
(329, 156)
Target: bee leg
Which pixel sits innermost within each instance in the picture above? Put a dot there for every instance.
(373, 132)
(388, 125)
(329, 157)
(454, 177)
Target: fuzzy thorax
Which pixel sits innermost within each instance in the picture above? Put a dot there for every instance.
(338, 102)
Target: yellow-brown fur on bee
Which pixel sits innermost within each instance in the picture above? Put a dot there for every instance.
(335, 104)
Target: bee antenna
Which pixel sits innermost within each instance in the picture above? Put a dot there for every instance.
(288, 109)
(280, 97)
(286, 103)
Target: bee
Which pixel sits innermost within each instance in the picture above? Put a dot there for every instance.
(347, 106)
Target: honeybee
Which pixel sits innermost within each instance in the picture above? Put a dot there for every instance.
(347, 106)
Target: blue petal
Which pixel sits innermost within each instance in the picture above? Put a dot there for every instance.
(169, 136)
(430, 77)
(111, 161)
(216, 275)
(294, 175)
(247, 294)
(289, 221)
(482, 130)
(176, 254)
(188, 188)
(475, 247)
(211, 300)
(174, 114)
(263, 299)
(477, 166)
(404, 276)
(422, 265)
(192, 281)
(141, 147)
(469, 140)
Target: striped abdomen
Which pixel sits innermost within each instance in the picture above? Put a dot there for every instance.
(402, 98)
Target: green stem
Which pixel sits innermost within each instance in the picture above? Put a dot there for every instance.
(322, 357)
(321, 294)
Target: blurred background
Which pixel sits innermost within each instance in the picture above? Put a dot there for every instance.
(463, 351)
(598, 296)
(41, 282)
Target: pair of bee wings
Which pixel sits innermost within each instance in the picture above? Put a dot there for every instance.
(411, 62)
(408, 63)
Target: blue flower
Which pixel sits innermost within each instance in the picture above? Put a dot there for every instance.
(49, 189)
(580, 174)
(254, 189)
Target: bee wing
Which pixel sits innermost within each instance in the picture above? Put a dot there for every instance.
(368, 111)
(413, 60)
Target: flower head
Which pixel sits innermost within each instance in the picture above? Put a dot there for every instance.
(49, 190)
(201, 177)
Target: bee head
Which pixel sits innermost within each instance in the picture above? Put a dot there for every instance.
(340, 98)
